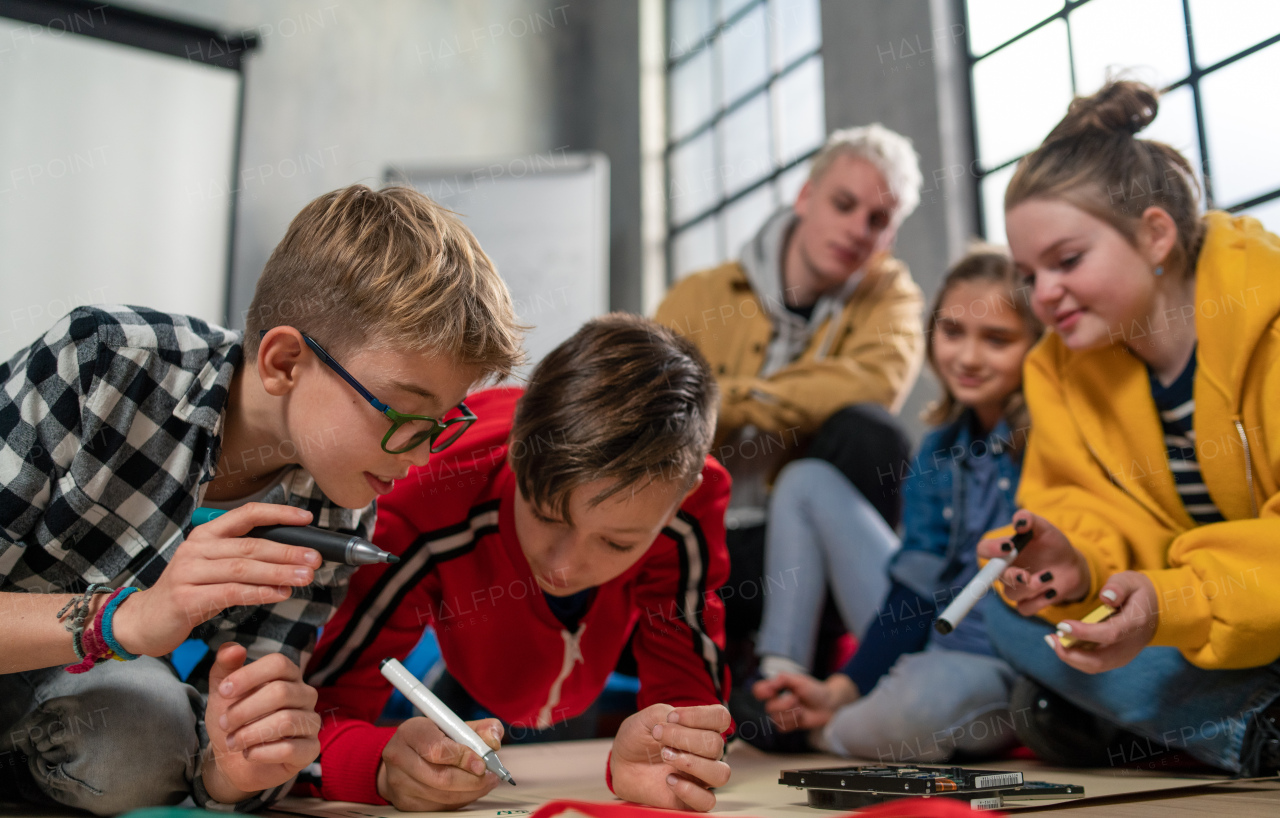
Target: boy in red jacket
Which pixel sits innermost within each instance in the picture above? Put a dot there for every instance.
(561, 522)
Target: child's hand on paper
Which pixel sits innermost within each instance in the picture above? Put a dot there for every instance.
(216, 568)
(669, 757)
(1115, 641)
(423, 770)
(1048, 570)
(797, 701)
(262, 724)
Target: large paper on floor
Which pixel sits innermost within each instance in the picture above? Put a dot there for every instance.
(575, 770)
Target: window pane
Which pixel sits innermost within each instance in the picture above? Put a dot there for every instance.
(991, 22)
(745, 217)
(690, 21)
(744, 141)
(789, 183)
(742, 49)
(1020, 93)
(691, 96)
(1241, 120)
(1220, 31)
(993, 187)
(1268, 213)
(730, 7)
(695, 248)
(798, 110)
(1175, 126)
(693, 178)
(1104, 40)
(797, 29)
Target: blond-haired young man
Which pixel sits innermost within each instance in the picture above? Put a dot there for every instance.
(815, 337)
(120, 421)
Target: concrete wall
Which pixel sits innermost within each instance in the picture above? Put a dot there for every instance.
(900, 63)
(340, 89)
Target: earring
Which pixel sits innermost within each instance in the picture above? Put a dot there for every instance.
(1159, 271)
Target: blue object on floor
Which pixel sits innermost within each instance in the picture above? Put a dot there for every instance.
(187, 656)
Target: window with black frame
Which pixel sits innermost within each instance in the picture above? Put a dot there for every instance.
(744, 115)
(1218, 62)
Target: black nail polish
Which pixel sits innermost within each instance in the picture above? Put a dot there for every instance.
(1006, 547)
(1050, 594)
(1047, 576)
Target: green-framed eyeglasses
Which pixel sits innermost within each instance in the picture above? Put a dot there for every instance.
(407, 432)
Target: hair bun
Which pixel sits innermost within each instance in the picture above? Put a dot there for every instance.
(1119, 107)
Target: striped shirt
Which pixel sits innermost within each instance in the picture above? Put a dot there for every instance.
(1177, 406)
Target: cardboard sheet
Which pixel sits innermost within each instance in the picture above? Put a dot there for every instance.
(575, 770)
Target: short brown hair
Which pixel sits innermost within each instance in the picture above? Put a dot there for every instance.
(624, 399)
(387, 269)
(988, 263)
(1093, 161)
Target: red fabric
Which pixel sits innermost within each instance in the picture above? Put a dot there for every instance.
(846, 646)
(462, 571)
(351, 751)
(905, 808)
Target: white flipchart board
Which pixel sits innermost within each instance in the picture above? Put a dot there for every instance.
(115, 179)
(544, 220)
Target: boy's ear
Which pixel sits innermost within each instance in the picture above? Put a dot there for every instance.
(279, 354)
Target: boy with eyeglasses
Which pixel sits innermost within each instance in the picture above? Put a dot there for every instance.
(120, 421)
(570, 518)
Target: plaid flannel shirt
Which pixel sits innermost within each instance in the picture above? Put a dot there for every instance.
(110, 427)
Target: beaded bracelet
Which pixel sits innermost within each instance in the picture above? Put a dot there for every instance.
(80, 607)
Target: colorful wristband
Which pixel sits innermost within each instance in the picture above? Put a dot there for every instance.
(109, 611)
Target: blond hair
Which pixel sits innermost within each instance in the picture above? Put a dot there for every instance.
(390, 268)
(1093, 161)
(888, 152)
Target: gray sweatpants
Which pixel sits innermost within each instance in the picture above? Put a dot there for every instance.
(120, 737)
(930, 706)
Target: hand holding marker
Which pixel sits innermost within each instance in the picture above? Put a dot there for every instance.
(333, 547)
(452, 726)
(979, 586)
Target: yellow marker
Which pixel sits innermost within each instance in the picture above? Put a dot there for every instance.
(1095, 616)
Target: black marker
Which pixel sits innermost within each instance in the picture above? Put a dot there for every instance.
(333, 547)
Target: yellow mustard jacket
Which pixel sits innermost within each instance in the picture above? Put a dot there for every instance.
(1096, 465)
(871, 352)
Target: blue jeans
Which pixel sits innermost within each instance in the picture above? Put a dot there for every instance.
(120, 737)
(822, 532)
(1159, 695)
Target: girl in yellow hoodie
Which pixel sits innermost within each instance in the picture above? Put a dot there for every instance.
(1152, 481)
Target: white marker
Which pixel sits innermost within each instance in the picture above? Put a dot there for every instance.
(431, 706)
(979, 586)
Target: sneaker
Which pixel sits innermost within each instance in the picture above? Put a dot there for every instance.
(1260, 755)
(1064, 735)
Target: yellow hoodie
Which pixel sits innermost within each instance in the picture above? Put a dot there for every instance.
(1096, 465)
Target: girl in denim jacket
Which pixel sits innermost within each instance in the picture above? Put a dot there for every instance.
(908, 694)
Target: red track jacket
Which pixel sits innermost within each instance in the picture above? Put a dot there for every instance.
(462, 572)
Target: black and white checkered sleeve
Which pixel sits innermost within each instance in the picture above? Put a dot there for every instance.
(41, 429)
